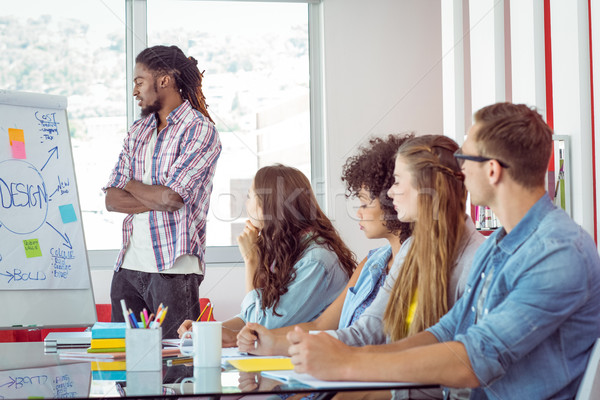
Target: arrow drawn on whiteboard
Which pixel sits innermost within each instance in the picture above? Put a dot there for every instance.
(52, 151)
(65, 237)
(50, 197)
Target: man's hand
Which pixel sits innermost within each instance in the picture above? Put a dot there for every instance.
(321, 355)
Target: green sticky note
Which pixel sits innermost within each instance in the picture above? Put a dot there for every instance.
(32, 248)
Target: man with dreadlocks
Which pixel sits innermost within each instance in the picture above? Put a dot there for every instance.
(163, 181)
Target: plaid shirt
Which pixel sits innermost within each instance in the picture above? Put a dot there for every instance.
(184, 160)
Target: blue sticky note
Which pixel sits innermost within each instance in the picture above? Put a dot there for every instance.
(67, 213)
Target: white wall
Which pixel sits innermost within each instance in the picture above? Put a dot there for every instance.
(382, 74)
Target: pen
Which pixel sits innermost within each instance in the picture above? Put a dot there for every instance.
(125, 313)
(256, 308)
(204, 309)
(133, 320)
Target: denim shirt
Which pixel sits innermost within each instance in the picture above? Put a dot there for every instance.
(540, 310)
(366, 283)
(319, 280)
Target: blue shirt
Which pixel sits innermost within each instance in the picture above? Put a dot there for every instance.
(370, 280)
(530, 313)
(319, 280)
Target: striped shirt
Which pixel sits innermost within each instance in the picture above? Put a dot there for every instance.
(184, 159)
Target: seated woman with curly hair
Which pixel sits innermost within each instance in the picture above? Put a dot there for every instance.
(296, 263)
(368, 175)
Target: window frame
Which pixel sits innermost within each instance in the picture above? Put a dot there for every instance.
(136, 39)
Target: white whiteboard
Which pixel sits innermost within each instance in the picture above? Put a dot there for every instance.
(44, 270)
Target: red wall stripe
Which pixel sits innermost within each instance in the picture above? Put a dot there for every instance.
(593, 121)
(548, 59)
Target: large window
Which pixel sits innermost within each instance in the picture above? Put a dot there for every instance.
(256, 82)
(256, 61)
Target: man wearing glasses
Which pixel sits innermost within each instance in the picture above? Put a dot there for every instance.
(530, 313)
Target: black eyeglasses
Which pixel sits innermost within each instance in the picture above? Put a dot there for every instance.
(460, 157)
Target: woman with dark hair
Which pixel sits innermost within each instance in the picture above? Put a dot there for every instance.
(368, 175)
(296, 263)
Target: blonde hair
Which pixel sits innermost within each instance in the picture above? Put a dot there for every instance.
(436, 235)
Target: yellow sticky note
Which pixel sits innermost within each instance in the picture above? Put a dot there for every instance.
(16, 134)
(262, 364)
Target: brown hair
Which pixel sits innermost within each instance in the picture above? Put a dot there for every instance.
(292, 221)
(517, 135)
(373, 169)
(437, 232)
(170, 60)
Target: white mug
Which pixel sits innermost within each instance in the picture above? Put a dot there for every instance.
(206, 347)
(206, 380)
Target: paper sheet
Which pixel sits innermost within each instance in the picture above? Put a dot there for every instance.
(292, 377)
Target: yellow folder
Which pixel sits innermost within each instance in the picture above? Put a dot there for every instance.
(107, 343)
(108, 365)
(262, 364)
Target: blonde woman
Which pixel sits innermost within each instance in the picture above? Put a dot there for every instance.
(429, 192)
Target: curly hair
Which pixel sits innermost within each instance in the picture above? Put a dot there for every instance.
(373, 169)
(292, 221)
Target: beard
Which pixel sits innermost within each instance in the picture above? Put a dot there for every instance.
(151, 108)
(154, 107)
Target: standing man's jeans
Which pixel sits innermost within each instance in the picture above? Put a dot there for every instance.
(147, 290)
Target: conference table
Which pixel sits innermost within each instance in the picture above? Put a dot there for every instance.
(27, 371)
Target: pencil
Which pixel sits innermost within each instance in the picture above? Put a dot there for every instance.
(209, 312)
(204, 309)
(179, 360)
(162, 316)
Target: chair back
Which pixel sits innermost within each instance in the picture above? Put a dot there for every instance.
(590, 384)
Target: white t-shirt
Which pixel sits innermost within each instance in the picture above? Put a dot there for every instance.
(140, 255)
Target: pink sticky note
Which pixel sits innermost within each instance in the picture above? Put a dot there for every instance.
(18, 150)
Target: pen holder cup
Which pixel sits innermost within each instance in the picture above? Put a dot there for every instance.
(143, 349)
(144, 383)
(206, 344)
(205, 381)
